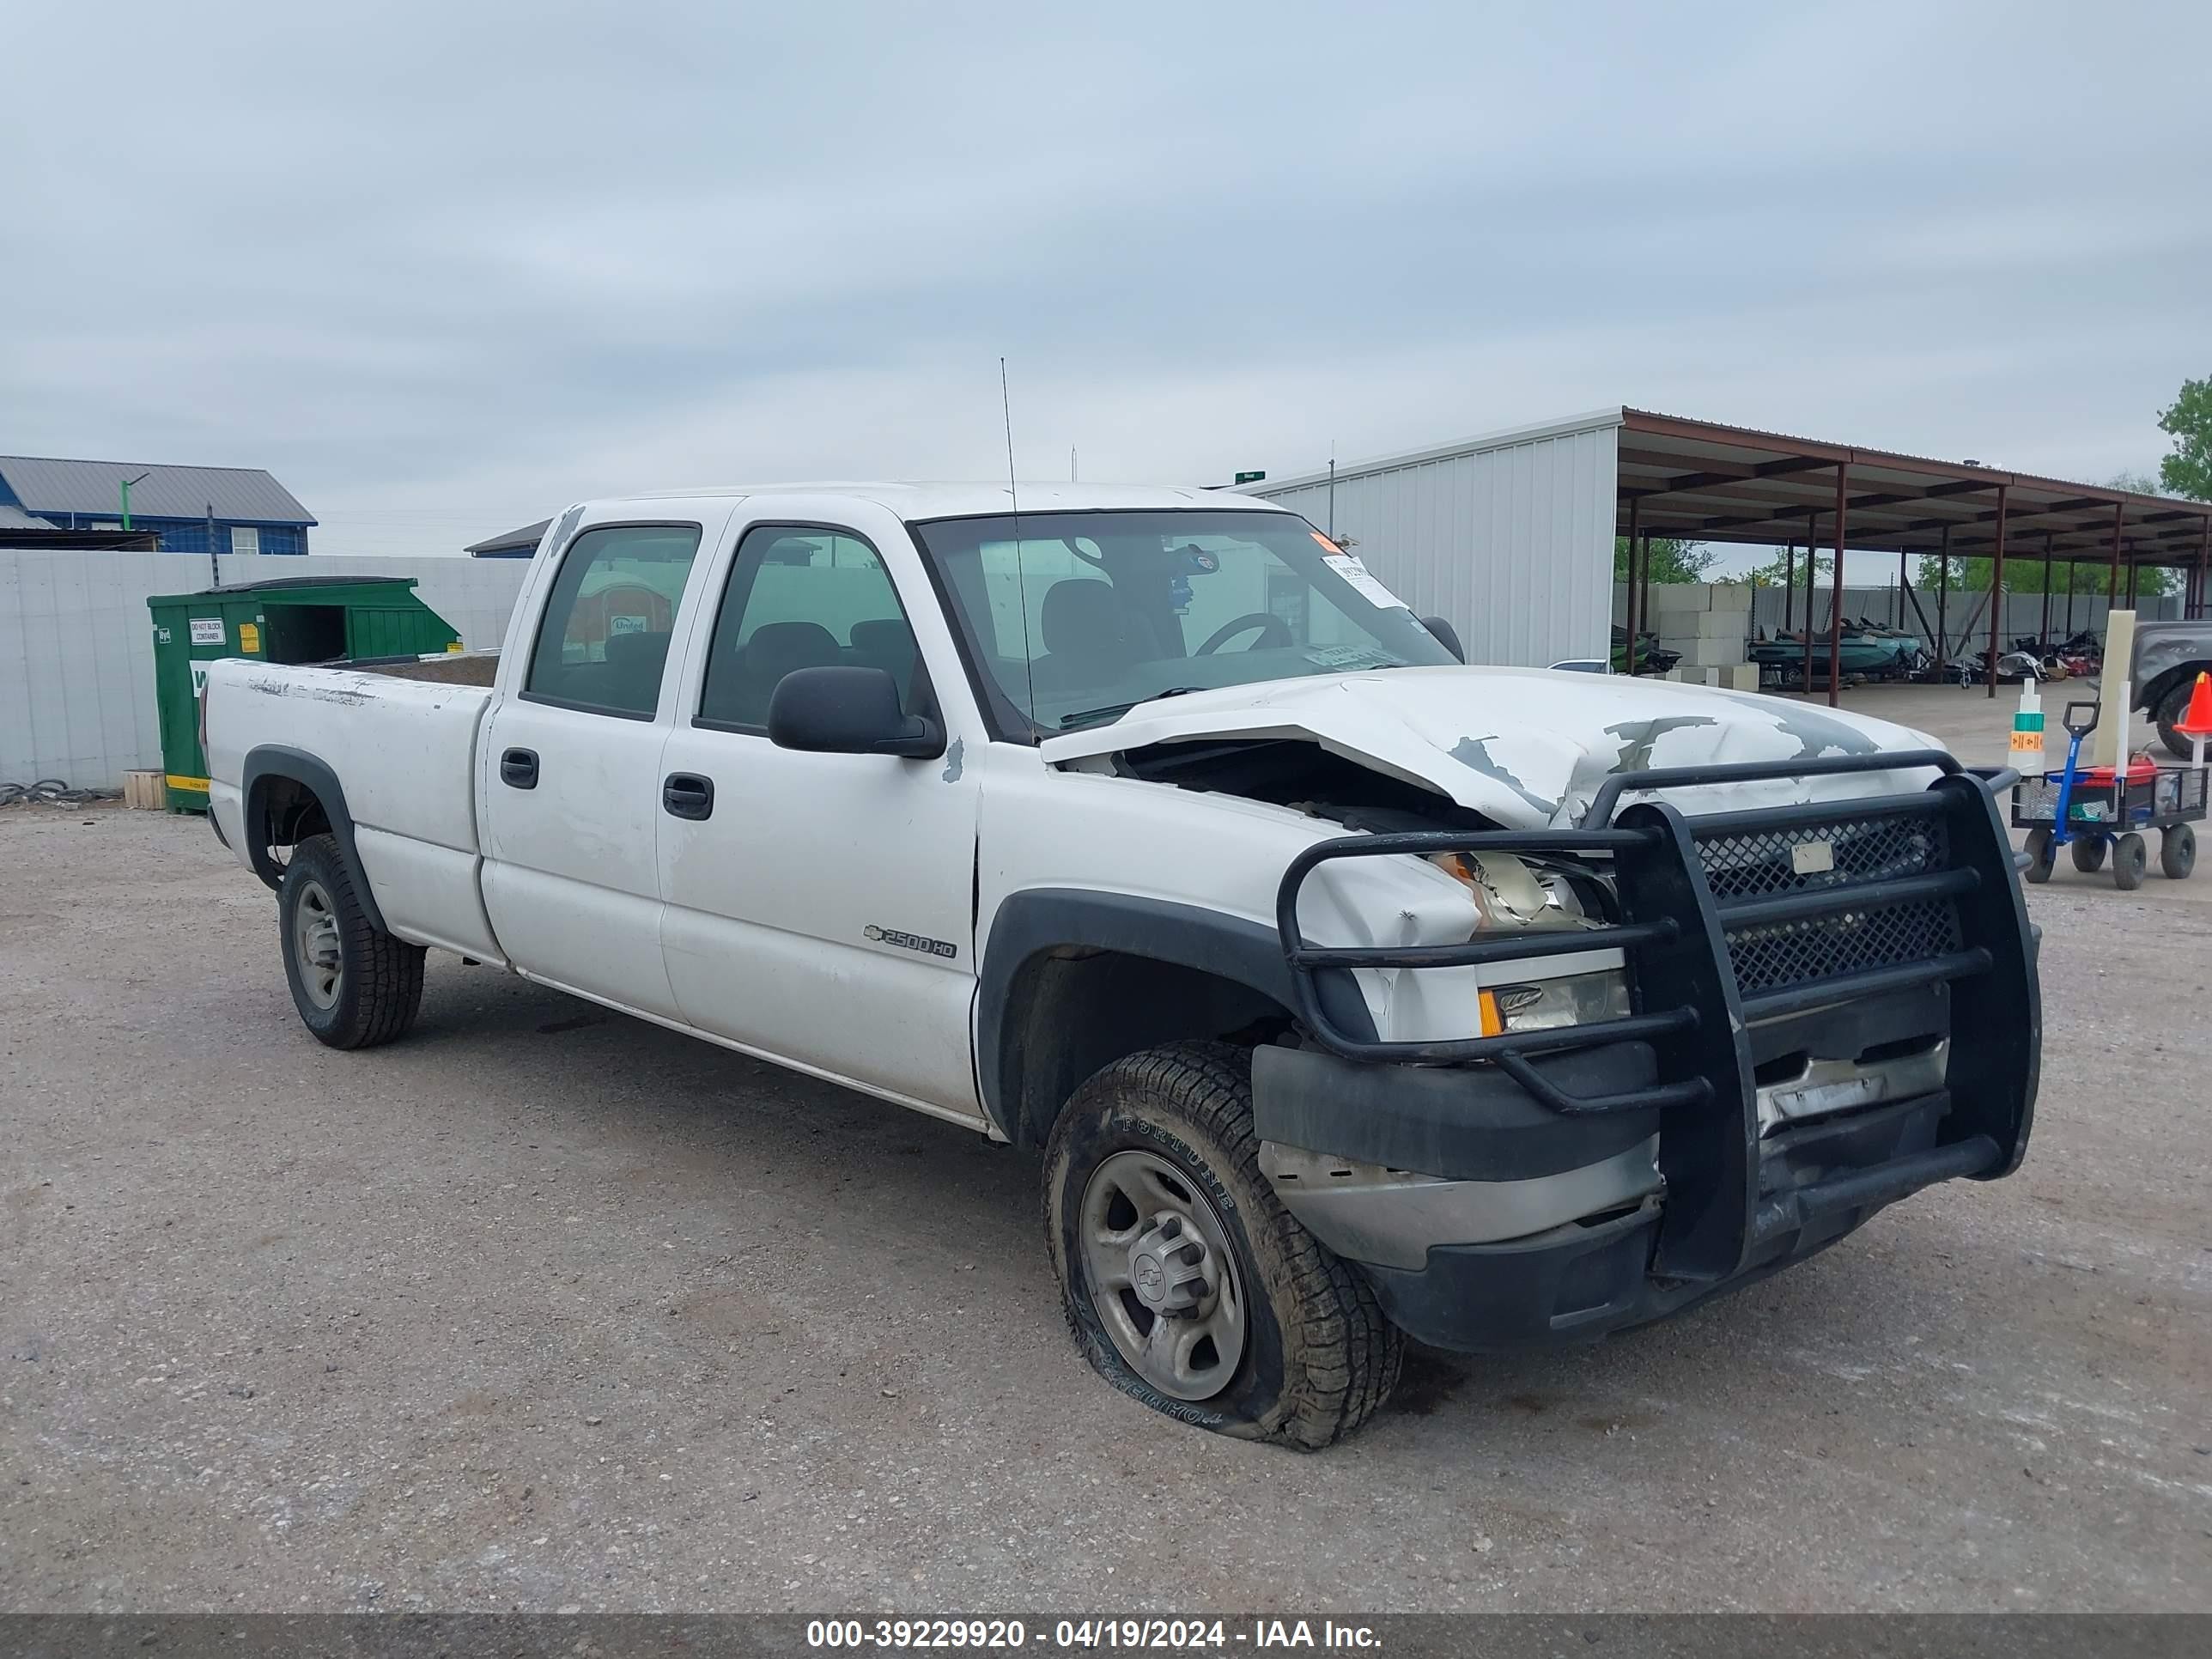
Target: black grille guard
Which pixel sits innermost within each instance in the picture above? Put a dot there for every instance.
(1923, 892)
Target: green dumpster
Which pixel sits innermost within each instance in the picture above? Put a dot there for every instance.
(288, 619)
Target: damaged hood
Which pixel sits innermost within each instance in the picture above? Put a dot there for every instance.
(1526, 747)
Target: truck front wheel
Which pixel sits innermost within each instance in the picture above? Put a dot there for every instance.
(2168, 713)
(1185, 1282)
(353, 984)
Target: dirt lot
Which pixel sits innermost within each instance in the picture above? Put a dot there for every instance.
(546, 1308)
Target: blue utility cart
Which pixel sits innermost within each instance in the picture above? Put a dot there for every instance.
(2106, 809)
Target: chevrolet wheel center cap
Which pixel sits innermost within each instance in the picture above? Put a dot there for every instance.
(1150, 1280)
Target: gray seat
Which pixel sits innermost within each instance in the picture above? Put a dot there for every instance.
(1091, 636)
(741, 694)
(886, 642)
(631, 675)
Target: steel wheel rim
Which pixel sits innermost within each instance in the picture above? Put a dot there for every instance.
(1162, 1279)
(315, 944)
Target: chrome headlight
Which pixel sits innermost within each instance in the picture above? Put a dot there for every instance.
(1512, 894)
(1545, 1005)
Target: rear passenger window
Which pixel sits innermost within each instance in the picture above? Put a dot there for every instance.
(802, 599)
(603, 638)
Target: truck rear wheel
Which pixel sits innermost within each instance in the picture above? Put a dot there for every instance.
(353, 984)
(1185, 1281)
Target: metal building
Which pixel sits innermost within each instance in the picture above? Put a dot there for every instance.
(1508, 536)
(236, 510)
(514, 544)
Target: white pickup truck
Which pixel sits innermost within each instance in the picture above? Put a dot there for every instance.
(1347, 992)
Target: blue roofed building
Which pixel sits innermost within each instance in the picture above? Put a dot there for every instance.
(192, 509)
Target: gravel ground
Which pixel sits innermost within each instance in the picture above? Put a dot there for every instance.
(546, 1308)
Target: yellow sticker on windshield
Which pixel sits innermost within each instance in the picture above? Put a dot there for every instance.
(1325, 542)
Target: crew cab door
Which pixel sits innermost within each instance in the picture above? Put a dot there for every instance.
(820, 906)
(569, 772)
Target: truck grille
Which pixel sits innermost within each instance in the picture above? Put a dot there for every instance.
(1731, 921)
(1744, 867)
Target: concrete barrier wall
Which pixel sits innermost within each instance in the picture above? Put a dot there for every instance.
(77, 644)
(2023, 612)
(76, 653)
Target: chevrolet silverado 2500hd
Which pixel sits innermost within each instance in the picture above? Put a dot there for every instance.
(1346, 991)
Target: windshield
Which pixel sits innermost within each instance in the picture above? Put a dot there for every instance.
(1090, 613)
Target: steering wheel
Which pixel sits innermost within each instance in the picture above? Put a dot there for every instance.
(1273, 630)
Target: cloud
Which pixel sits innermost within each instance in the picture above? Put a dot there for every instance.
(443, 268)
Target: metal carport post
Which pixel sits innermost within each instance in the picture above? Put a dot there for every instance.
(1996, 587)
(1943, 601)
(2112, 581)
(1644, 605)
(1836, 589)
(2043, 639)
(1812, 568)
(1628, 657)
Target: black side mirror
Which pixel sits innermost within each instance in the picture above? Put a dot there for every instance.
(1447, 635)
(848, 711)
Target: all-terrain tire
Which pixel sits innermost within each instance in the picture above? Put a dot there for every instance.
(2176, 852)
(1319, 1356)
(2042, 853)
(2088, 854)
(379, 983)
(2130, 858)
(2167, 715)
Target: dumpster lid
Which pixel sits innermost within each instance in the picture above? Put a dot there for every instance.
(274, 584)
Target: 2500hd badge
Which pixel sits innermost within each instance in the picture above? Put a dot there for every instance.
(928, 947)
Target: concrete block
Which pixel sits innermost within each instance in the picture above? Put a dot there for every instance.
(1673, 599)
(1712, 625)
(1735, 676)
(1704, 650)
(1705, 654)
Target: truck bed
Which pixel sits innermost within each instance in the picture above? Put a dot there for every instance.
(402, 738)
(452, 668)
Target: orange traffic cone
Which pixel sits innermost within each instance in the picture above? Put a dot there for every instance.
(2196, 721)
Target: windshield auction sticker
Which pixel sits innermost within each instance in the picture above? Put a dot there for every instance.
(1354, 571)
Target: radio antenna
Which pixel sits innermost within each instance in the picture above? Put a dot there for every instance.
(1007, 411)
(1021, 578)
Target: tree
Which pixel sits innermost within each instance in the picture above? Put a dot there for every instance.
(1785, 566)
(2026, 572)
(2188, 422)
(1672, 561)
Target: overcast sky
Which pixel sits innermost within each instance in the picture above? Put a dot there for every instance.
(445, 268)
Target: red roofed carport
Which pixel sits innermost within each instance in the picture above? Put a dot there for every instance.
(1701, 481)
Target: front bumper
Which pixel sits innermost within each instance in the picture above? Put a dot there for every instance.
(1746, 956)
